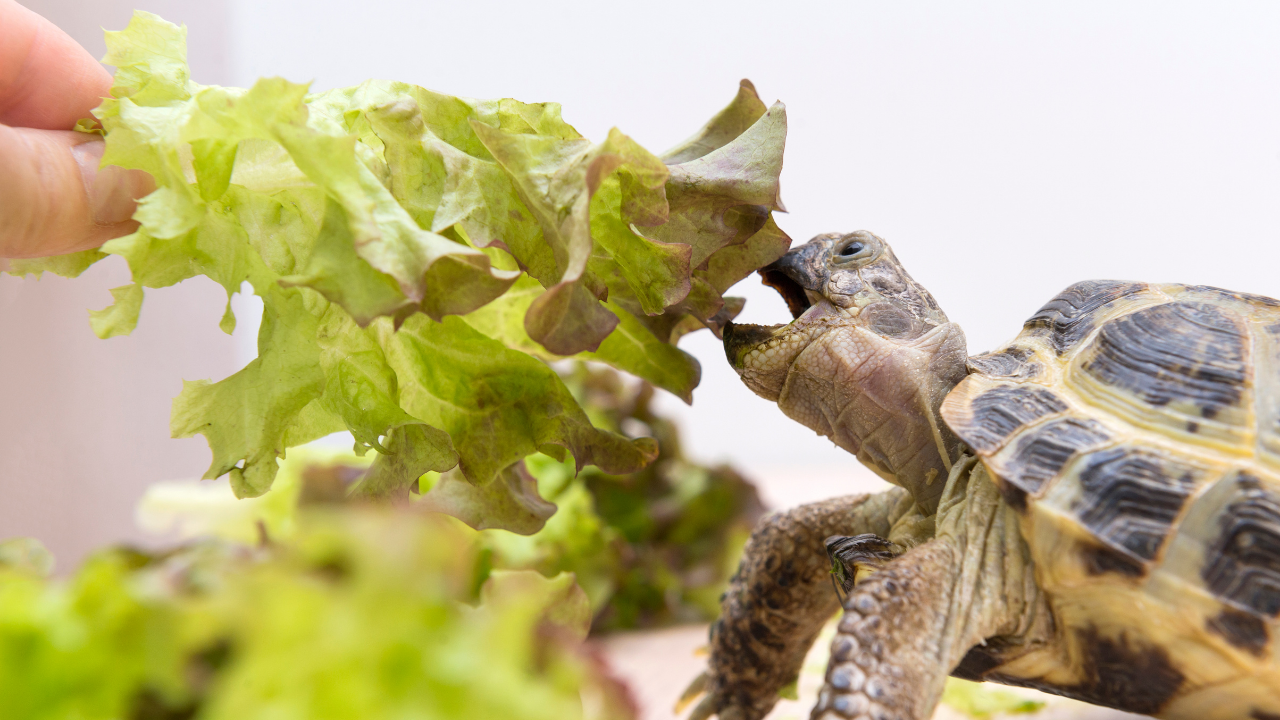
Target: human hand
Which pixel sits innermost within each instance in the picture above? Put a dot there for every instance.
(53, 197)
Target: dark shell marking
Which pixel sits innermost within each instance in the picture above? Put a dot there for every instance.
(980, 660)
(1042, 452)
(1002, 411)
(1243, 566)
(1132, 497)
(1266, 354)
(1103, 559)
(1117, 673)
(1009, 363)
(1131, 676)
(1069, 318)
(1243, 630)
(1249, 298)
(1179, 351)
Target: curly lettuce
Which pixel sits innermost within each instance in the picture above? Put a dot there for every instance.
(362, 612)
(651, 548)
(419, 256)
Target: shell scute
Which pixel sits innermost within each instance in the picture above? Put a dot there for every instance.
(1004, 409)
(1208, 291)
(1102, 559)
(1243, 563)
(1180, 366)
(1130, 497)
(1039, 454)
(1070, 316)
(1015, 363)
(1266, 400)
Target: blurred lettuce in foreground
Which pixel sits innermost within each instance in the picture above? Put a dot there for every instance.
(420, 256)
(364, 612)
(651, 548)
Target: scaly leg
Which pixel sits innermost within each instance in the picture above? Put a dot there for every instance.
(911, 623)
(778, 601)
(884, 659)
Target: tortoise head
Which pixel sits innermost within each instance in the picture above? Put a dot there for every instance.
(866, 361)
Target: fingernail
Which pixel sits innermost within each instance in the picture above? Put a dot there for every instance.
(112, 190)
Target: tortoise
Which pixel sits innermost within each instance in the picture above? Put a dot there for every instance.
(1092, 510)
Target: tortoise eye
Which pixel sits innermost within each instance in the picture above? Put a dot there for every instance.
(851, 251)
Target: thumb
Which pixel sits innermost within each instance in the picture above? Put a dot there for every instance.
(53, 197)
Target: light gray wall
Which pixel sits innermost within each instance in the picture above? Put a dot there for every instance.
(84, 422)
(208, 44)
(1006, 150)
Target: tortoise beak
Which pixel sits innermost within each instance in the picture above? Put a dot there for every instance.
(739, 339)
(801, 269)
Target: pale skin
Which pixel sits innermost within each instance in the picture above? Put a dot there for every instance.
(54, 199)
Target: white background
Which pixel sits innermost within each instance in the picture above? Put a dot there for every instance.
(1005, 150)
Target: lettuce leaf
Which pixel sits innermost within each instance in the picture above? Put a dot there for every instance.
(420, 256)
(509, 503)
(650, 548)
(359, 612)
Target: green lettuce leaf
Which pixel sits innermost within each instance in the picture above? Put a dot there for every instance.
(566, 607)
(498, 404)
(70, 265)
(245, 417)
(120, 318)
(412, 451)
(361, 612)
(511, 502)
(650, 548)
(369, 219)
(632, 347)
(722, 129)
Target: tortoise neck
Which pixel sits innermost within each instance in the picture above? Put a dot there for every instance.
(892, 421)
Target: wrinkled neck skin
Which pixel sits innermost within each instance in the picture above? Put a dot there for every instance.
(867, 364)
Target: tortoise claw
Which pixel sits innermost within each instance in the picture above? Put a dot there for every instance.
(705, 709)
(848, 553)
(691, 693)
(710, 705)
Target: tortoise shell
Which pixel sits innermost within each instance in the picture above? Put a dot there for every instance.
(1135, 429)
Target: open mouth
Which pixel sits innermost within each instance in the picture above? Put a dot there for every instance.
(795, 296)
(762, 353)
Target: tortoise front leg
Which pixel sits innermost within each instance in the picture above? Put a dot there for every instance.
(778, 601)
(885, 662)
(908, 625)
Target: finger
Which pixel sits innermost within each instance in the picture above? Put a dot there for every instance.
(53, 197)
(47, 80)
